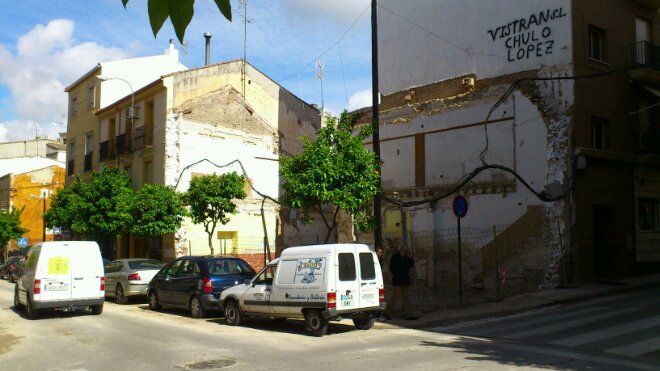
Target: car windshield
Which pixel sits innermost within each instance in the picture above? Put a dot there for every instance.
(145, 264)
(222, 267)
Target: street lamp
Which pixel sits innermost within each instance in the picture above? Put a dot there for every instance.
(131, 109)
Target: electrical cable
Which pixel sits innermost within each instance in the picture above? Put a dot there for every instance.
(330, 47)
(343, 77)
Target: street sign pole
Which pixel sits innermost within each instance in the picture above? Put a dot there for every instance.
(460, 265)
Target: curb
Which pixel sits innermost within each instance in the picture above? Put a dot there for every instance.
(502, 313)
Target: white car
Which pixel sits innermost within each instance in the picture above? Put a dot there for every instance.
(318, 283)
(61, 275)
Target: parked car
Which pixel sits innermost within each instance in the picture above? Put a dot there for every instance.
(129, 277)
(16, 272)
(11, 264)
(317, 283)
(61, 275)
(195, 283)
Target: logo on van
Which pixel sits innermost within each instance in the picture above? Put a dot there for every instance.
(309, 270)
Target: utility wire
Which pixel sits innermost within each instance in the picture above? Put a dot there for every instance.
(330, 47)
(455, 45)
(343, 77)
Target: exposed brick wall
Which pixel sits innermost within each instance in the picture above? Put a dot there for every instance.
(255, 260)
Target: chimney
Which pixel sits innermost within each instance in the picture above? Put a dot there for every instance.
(208, 36)
(171, 51)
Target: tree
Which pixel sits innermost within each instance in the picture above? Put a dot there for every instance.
(10, 227)
(157, 210)
(336, 169)
(180, 13)
(97, 209)
(211, 200)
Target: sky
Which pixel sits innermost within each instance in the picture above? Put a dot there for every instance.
(47, 44)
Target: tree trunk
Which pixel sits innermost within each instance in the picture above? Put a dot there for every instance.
(211, 242)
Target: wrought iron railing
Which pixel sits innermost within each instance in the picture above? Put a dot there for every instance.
(646, 53)
(140, 138)
(106, 150)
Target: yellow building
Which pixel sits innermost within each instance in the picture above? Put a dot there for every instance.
(201, 117)
(31, 192)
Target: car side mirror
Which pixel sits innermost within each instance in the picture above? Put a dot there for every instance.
(247, 282)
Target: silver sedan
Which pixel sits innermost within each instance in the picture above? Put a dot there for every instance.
(129, 277)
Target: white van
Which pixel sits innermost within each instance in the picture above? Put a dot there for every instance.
(61, 275)
(318, 283)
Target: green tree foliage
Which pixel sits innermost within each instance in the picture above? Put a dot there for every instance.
(157, 210)
(180, 13)
(336, 169)
(10, 227)
(98, 208)
(211, 200)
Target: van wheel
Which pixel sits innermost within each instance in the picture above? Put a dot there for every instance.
(120, 298)
(97, 309)
(17, 303)
(315, 323)
(154, 304)
(364, 322)
(232, 313)
(196, 308)
(30, 312)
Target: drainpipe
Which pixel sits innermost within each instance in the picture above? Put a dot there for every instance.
(208, 36)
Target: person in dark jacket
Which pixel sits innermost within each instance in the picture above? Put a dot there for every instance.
(400, 265)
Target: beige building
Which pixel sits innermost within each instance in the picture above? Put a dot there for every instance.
(187, 121)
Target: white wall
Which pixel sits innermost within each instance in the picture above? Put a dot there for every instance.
(471, 36)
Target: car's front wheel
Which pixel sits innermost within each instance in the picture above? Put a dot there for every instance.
(315, 323)
(232, 313)
(154, 304)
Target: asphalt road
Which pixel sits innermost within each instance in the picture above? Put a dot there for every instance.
(133, 337)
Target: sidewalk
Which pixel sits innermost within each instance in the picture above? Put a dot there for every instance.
(522, 303)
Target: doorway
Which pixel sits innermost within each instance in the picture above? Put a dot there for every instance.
(602, 231)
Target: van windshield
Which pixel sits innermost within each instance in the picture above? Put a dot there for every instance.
(223, 267)
(145, 264)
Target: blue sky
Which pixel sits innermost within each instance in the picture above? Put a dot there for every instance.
(46, 44)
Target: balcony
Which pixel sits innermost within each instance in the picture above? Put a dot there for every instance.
(122, 144)
(646, 56)
(107, 150)
(140, 138)
(70, 167)
(88, 161)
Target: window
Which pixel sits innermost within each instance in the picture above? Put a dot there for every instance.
(648, 214)
(287, 272)
(145, 264)
(598, 127)
(171, 271)
(189, 269)
(91, 95)
(89, 143)
(266, 276)
(74, 106)
(346, 267)
(597, 43)
(367, 268)
(222, 267)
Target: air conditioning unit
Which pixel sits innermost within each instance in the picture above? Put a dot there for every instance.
(133, 113)
(469, 82)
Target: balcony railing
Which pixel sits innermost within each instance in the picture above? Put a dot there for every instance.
(140, 138)
(88, 161)
(122, 144)
(646, 53)
(70, 167)
(106, 150)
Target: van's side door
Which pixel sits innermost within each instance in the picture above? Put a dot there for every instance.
(369, 287)
(348, 287)
(257, 297)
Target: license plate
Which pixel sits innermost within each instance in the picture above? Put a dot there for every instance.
(57, 287)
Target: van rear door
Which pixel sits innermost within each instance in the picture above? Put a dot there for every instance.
(347, 281)
(86, 272)
(369, 288)
(54, 273)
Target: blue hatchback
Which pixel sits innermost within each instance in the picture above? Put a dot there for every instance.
(195, 282)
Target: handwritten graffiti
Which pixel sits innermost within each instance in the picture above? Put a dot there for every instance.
(528, 37)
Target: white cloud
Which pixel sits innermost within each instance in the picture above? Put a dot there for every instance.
(339, 10)
(360, 99)
(47, 59)
(15, 130)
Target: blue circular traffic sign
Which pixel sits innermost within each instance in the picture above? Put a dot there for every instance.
(460, 206)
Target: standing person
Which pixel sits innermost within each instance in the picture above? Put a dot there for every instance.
(400, 266)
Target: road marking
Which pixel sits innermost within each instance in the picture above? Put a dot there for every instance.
(534, 321)
(638, 348)
(608, 332)
(566, 325)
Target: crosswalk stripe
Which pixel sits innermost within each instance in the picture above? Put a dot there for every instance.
(608, 332)
(534, 321)
(638, 348)
(566, 325)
